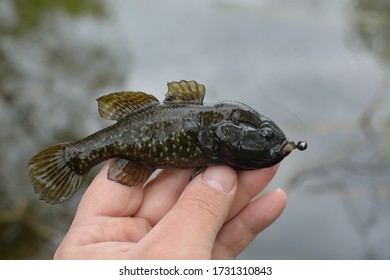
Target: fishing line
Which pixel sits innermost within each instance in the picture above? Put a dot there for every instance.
(302, 144)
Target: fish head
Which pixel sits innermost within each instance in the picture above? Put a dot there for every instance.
(248, 140)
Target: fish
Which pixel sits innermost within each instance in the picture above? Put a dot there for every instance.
(180, 132)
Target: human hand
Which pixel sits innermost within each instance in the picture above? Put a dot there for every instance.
(211, 217)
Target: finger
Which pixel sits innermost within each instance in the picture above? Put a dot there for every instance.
(97, 251)
(108, 198)
(106, 229)
(250, 184)
(236, 234)
(124, 229)
(190, 228)
(161, 194)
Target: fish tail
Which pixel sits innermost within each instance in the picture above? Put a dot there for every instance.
(52, 175)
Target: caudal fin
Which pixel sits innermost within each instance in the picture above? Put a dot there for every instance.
(52, 176)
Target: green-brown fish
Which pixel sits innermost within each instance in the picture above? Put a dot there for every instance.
(180, 132)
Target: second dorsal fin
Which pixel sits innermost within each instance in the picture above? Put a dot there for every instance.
(185, 91)
(117, 105)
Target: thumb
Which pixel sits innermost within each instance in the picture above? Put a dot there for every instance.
(190, 228)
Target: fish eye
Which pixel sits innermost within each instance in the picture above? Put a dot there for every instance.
(267, 133)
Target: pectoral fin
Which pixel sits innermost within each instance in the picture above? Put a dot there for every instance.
(185, 91)
(128, 173)
(117, 105)
(197, 171)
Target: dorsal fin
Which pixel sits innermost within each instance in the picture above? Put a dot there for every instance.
(117, 105)
(185, 91)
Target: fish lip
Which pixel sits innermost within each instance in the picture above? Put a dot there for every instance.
(288, 147)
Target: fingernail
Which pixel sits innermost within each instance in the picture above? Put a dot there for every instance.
(220, 178)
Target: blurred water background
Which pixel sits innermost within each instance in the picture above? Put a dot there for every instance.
(319, 69)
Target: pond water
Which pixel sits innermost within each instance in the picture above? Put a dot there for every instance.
(319, 69)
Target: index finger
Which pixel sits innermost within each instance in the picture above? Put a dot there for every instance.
(251, 183)
(108, 198)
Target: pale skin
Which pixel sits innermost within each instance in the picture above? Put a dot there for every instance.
(212, 217)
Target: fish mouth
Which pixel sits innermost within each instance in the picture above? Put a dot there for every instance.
(289, 147)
